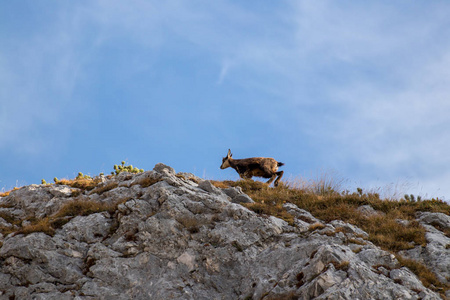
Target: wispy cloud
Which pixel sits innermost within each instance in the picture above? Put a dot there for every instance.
(39, 71)
(391, 102)
(226, 65)
(365, 86)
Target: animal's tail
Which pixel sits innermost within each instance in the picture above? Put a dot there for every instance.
(280, 164)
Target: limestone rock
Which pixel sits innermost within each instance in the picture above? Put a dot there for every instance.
(174, 236)
(87, 229)
(368, 211)
(209, 187)
(242, 198)
(435, 219)
(436, 254)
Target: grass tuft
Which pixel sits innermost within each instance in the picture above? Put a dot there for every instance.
(84, 208)
(4, 194)
(146, 182)
(42, 225)
(71, 209)
(427, 277)
(325, 201)
(104, 188)
(83, 183)
(316, 226)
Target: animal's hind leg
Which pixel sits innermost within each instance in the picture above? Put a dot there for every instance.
(272, 179)
(280, 174)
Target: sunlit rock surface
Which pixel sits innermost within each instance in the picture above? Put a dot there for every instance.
(176, 236)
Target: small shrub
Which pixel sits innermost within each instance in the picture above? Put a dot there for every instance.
(82, 176)
(123, 168)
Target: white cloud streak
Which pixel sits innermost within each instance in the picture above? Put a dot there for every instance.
(394, 103)
(369, 80)
(39, 73)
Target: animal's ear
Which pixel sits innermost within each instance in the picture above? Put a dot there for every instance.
(229, 153)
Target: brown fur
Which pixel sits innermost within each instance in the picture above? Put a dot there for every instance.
(265, 167)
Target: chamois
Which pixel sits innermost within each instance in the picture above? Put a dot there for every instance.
(265, 167)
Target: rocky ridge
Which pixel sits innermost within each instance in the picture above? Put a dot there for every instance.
(172, 235)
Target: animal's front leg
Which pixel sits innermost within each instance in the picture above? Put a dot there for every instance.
(244, 175)
(248, 175)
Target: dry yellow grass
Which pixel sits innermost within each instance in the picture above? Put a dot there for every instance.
(42, 225)
(104, 188)
(383, 229)
(322, 198)
(85, 184)
(327, 204)
(148, 182)
(427, 277)
(48, 225)
(4, 194)
(316, 226)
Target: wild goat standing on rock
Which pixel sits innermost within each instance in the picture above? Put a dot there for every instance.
(265, 167)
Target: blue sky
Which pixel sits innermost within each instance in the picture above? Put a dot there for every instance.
(351, 88)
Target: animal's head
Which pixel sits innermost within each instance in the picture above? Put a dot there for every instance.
(226, 160)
